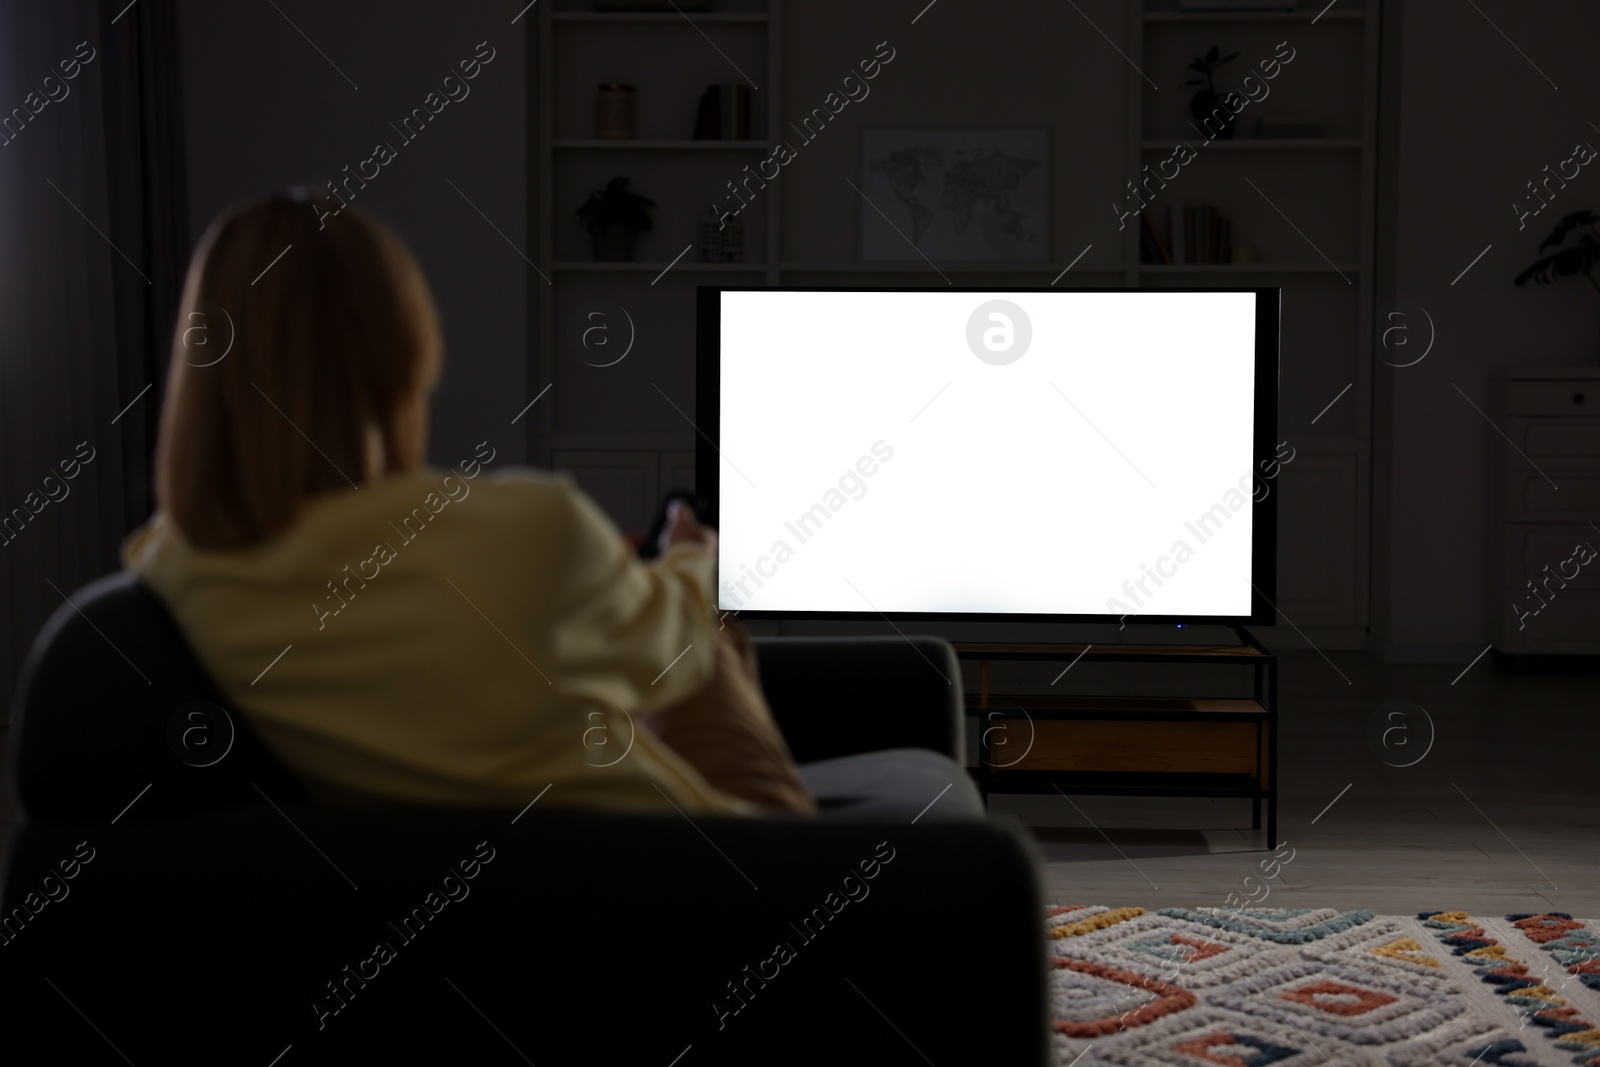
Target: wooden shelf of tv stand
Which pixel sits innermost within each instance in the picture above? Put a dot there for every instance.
(1060, 782)
(1197, 653)
(1132, 745)
(1054, 706)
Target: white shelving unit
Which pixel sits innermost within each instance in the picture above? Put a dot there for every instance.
(1324, 552)
(1325, 185)
(626, 467)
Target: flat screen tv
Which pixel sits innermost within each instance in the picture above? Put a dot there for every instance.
(1084, 455)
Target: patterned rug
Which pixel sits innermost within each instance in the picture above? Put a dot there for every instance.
(1296, 987)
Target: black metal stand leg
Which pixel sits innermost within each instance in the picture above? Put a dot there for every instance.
(1272, 822)
(1255, 814)
(981, 775)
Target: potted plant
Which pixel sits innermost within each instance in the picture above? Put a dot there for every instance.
(1206, 101)
(1579, 258)
(614, 217)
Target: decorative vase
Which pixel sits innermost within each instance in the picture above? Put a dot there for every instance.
(721, 239)
(614, 244)
(614, 111)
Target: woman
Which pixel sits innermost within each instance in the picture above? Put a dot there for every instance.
(461, 636)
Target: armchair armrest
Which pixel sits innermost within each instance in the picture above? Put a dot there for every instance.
(837, 696)
(940, 929)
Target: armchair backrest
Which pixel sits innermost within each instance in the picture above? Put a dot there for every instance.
(112, 705)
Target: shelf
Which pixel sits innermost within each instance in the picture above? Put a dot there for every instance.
(1050, 270)
(918, 266)
(656, 268)
(1247, 268)
(1118, 708)
(1255, 16)
(1132, 745)
(663, 146)
(660, 16)
(1130, 783)
(1260, 144)
(1208, 653)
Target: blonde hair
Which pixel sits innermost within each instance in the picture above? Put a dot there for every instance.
(300, 351)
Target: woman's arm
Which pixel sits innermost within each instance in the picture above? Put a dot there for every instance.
(637, 635)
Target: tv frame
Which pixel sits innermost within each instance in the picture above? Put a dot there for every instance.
(1263, 514)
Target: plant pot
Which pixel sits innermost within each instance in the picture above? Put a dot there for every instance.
(1204, 105)
(614, 244)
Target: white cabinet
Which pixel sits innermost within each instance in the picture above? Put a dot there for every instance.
(1544, 497)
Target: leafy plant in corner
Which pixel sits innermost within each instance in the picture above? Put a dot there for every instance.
(1204, 103)
(614, 217)
(1567, 261)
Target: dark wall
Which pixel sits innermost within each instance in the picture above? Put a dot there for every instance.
(270, 104)
(1486, 95)
(1483, 107)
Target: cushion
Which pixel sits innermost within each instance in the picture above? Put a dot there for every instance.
(726, 731)
(909, 783)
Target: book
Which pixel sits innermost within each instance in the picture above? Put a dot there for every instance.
(733, 112)
(724, 114)
(1175, 228)
(702, 118)
(1159, 252)
(1148, 253)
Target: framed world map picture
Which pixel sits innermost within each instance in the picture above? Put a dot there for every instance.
(972, 195)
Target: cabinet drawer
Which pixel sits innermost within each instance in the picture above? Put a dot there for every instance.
(1530, 549)
(1568, 623)
(1532, 499)
(1575, 397)
(1558, 442)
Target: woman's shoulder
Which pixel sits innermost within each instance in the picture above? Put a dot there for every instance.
(484, 509)
(515, 502)
(524, 495)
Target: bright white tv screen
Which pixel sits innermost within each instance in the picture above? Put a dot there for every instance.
(1074, 453)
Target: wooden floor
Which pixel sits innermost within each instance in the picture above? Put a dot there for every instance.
(1502, 815)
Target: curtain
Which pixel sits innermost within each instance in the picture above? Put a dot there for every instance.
(93, 238)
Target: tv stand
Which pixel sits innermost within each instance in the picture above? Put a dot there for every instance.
(1125, 745)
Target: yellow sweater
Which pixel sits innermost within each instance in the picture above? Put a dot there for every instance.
(448, 639)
